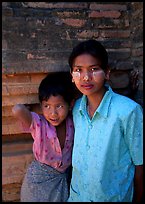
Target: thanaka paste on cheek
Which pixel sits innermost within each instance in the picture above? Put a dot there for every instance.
(98, 74)
(76, 76)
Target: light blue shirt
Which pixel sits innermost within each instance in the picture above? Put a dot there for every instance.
(106, 149)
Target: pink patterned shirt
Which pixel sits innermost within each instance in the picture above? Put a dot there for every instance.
(46, 146)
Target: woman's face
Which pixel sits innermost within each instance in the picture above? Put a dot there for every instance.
(88, 75)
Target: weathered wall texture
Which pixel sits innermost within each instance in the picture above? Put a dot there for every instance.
(37, 38)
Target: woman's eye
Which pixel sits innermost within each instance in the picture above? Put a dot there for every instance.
(77, 70)
(95, 69)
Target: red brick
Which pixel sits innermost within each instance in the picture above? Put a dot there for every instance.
(20, 89)
(4, 44)
(7, 12)
(23, 99)
(68, 14)
(96, 6)
(57, 5)
(88, 34)
(127, 65)
(74, 22)
(5, 91)
(105, 14)
(9, 129)
(113, 24)
(38, 66)
(7, 111)
(37, 78)
(17, 166)
(137, 52)
(16, 148)
(13, 79)
(11, 192)
(115, 34)
(127, 24)
(126, 44)
(36, 57)
(23, 89)
(119, 50)
(119, 79)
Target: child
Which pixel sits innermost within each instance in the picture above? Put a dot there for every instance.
(53, 132)
(108, 143)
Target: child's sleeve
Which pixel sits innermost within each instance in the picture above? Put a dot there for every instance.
(134, 135)
(35, 125)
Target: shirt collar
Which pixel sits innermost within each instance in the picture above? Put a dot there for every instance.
(103, 108)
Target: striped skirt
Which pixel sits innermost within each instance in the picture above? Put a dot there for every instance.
(43, 183)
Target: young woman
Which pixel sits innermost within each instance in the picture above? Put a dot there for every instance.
(108, 143)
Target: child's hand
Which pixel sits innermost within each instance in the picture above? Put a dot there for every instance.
(18, 108)
(22, 113)
(28, 107)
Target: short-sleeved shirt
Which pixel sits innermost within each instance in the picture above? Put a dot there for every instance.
(106, 149)
(46, 146)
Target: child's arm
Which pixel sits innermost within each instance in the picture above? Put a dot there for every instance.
(138, 184)
(22, 113)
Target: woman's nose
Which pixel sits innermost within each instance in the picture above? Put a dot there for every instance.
(86, 76)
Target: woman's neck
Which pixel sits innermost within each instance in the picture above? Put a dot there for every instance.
(94, 101)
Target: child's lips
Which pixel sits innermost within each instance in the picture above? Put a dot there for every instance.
(54, 120)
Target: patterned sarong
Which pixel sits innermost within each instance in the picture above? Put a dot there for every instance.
(43, 183)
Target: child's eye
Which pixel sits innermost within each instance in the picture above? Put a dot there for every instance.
(47, 106)
(59, 106)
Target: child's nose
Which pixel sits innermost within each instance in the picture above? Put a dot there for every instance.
(53, 111)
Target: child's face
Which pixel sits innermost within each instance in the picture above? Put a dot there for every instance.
(88, 75)
(55, 110)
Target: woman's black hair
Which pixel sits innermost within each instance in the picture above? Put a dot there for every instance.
(92, 47)
(55, 84)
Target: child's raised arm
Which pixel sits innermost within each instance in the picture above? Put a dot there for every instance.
(22, 113)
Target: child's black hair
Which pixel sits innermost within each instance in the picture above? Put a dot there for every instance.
(92, 47)
(55, 84)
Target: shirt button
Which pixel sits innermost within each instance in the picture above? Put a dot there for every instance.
(90, 126)
(88, 147)
(85, 186)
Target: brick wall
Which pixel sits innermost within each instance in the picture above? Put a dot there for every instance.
(37, 38)
(136, 21)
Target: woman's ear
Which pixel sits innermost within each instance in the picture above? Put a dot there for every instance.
(107, 73)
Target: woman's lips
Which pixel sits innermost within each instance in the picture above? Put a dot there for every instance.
(87, 86)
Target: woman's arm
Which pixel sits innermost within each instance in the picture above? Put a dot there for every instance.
(138, 184)
(22, 113)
